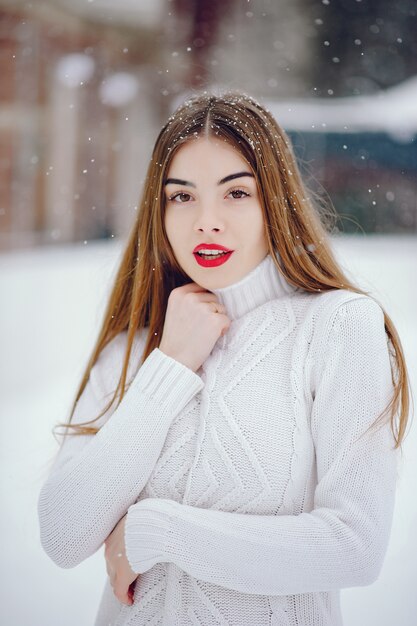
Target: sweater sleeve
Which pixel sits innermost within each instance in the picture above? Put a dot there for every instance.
(95, 478)
(342, 541)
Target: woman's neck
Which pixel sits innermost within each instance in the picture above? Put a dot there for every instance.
(260, 285)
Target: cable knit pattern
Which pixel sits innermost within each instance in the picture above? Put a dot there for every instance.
(253, 493)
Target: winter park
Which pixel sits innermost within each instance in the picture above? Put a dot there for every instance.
(86, 88)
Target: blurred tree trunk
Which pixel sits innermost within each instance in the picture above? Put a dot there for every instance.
(204, 18)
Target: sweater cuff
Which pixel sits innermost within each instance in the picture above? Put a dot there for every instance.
(167, 381)
(147, 530)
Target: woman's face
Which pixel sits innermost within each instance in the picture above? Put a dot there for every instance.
(211, 198)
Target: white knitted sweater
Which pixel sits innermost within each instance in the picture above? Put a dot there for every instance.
(251, 498)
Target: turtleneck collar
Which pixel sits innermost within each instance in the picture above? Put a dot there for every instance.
(260, 285)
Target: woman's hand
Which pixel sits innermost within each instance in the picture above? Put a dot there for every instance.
(122, 577)
(194, 321)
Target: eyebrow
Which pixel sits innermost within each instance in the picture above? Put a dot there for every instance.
(179, 181)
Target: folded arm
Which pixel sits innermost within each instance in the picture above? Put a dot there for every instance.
(343, 540)
(95, 478)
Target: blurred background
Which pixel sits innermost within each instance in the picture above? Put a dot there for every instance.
(85, 86)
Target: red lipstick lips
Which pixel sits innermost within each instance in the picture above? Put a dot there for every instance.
(206, 261)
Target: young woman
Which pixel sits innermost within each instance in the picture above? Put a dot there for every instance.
(235, 437)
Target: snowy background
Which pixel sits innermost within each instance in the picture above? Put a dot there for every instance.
(52, 303)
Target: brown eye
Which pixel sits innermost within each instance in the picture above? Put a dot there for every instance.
(240, 192)
(184, 196)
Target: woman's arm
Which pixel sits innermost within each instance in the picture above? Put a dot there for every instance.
(96, 478)
(343, 540)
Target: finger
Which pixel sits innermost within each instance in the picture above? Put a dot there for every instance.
(218, 308)
(223, 320)
(121, 590)
(207, 297)
(123, 597)
(191, 287)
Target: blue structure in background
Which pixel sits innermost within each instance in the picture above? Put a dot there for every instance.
(370, 177)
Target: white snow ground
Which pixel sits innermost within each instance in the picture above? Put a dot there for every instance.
(51, 307)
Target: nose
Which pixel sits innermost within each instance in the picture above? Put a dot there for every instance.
(208, 220)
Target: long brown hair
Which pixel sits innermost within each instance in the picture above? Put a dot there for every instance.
(295, 227)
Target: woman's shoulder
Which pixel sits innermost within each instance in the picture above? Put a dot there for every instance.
(322, 312)
(332, 302)
(106, 371)
(346, 314)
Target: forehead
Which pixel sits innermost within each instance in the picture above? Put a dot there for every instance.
(208, 152)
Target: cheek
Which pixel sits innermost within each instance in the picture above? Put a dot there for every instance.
(168, 223)
(259, 219)
(252, 221)
(254, 226)
(172, 227)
